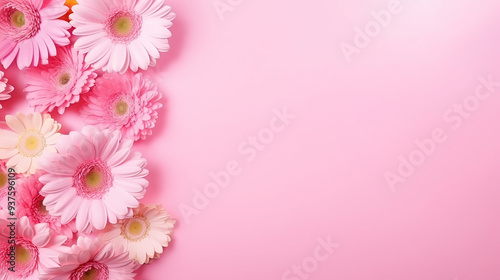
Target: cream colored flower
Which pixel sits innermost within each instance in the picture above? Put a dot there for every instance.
(144, 235)
(32, 136)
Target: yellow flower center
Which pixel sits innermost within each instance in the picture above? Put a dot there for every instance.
(17, 19)
(121, 108)
(3, 179)
(64, 79)
(123, 26)
(31, 143)
(90, 274)
(136, 228)
(22, 255)
(94, 179)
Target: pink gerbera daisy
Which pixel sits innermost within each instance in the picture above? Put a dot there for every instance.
(118, 35)
(59, 83)
(92, 260)
(30, 204)
(94, 178)
(32, 136)
(143, 235)
(4, 183)
(5, 89)
(123, 102)
(36, 249)
(30, 30)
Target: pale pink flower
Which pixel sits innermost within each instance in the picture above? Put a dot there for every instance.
(144, 235)
(32, 136)
(123, 102)
(36, 249)
(30, 204)
(94, 178)
(118, 35)
(92, 259)
(60, 83)
(5, 89)
(30, 31)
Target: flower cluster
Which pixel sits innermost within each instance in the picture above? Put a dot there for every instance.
(78, 195)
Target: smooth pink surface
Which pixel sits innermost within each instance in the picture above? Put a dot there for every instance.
(323, 175)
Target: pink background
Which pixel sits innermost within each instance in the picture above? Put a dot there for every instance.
(323, 175)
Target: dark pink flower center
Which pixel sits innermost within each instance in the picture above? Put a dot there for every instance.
(19, 21)
(93, 179)
(123, 26)
(91, 271)
(26, 257)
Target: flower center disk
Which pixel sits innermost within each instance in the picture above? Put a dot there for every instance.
(91, 271)
(3, 179)
(39, 212)
(121, 107)
(26, 257)
(17, 19)
(93, 179)
(64, 78)
(123, 26)
(136, 228)
(31, 143)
